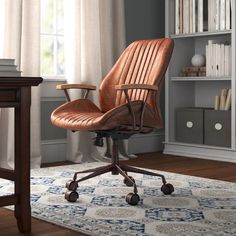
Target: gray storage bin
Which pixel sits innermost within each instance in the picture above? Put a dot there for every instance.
(189, 127)
(217, 128)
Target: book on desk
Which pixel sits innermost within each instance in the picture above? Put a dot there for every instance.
(8, 68)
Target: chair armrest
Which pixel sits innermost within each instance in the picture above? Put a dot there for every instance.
(64, 87)
(75, 86)
(136, 86)
(124, 88)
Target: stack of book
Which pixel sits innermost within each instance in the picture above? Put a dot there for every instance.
(218, 59)
(202, 15)
(193, 71)
(8, 68)
(223, 102)
(219, 16)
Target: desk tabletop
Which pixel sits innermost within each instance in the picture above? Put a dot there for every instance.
(24, 81)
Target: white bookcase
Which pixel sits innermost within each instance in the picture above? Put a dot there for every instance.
(183, 92)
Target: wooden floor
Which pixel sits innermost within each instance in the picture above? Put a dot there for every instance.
(189, 166)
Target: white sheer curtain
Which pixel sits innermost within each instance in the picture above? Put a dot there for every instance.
(19, 38)
(95, 37)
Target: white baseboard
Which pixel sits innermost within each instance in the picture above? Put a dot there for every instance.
(144, 143)
(209, 153)
(53, 150)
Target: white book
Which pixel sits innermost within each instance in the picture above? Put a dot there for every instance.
(217, 16)
(177, 17)
(214, 63)
(8, 67)
(191, 16)
(227, 14)
(213, 23)
(210, 15)
(200, 16)
(217, 60)
(207, 62)
(186, 16)
(194, 15)
(10, 73)
(210, 57)
(227, 60)
(231, 6)
(222, 14)
(181, 16)
(222, 60)
(7, 61)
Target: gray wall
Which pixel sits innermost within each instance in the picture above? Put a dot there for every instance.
(49, 131)
(144, 19)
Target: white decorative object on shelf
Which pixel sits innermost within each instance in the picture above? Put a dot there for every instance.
(198, 60)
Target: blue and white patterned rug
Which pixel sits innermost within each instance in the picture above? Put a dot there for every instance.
(197, 207)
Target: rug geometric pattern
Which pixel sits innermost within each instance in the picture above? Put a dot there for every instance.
(198, 206)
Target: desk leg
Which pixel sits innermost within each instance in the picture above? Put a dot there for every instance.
(22, 161)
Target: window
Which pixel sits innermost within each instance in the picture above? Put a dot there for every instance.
(52, 55)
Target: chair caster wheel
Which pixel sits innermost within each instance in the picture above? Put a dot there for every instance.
(71, 185)
(167, 189)
(127, 182)
(71, 196)
(132, 199)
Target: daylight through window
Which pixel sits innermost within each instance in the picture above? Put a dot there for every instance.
(52, 55)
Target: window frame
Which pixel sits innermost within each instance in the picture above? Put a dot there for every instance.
(55, 35)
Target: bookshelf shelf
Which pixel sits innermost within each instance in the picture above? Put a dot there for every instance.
(199, 92)
(213, 79)
(201, 34)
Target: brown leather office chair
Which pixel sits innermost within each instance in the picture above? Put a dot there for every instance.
(129, 104)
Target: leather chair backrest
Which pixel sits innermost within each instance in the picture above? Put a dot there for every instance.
(142, 62)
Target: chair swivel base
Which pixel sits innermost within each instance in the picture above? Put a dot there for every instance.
(115, 168)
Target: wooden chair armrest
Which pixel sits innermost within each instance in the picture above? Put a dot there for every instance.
(124, 88)
(136, 86)
(76, 86)
(64, 87)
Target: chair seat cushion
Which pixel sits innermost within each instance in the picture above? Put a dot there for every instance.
(82, 114)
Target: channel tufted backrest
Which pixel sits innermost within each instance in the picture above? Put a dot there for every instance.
(142, 62)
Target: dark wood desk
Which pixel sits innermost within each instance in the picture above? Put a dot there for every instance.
(16, 92)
